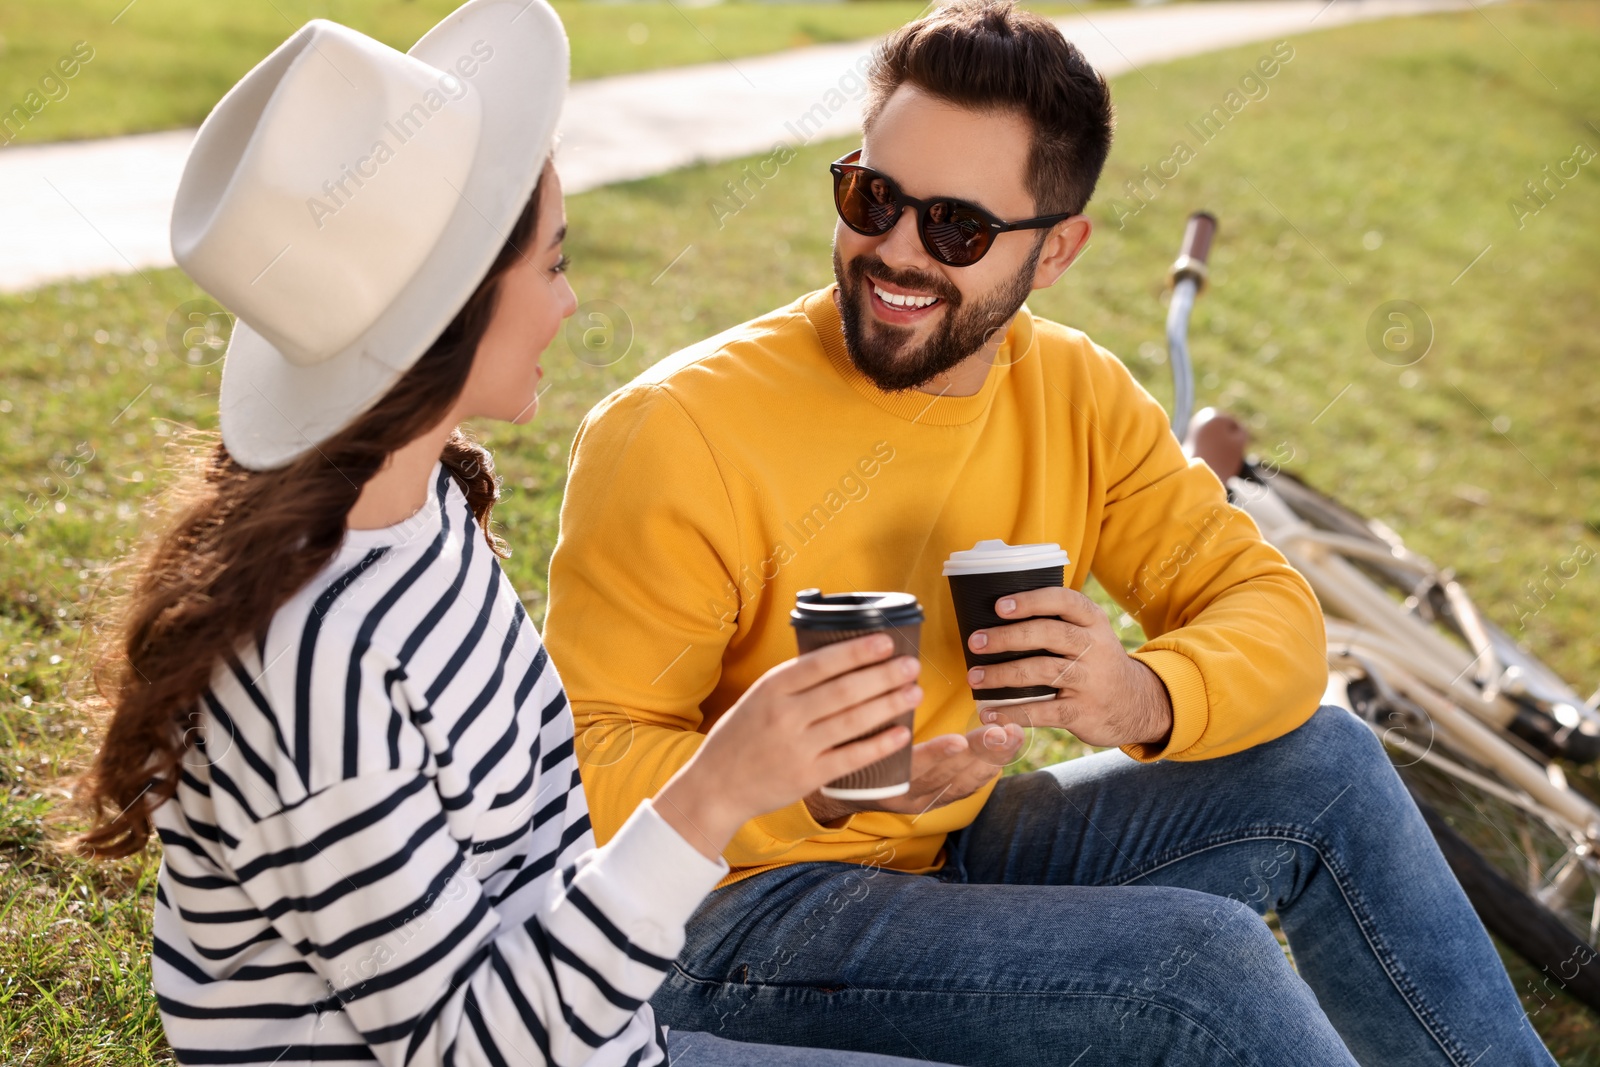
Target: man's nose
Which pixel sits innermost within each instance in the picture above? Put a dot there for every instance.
(901, 246)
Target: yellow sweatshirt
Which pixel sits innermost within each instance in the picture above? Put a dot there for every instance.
(706, 492)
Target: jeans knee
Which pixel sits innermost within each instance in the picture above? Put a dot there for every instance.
(1225, 930)
(1248, 965)
(1237, 931)
(1341, 742)
(1211, 949)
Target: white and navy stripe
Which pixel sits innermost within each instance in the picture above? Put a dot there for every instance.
(380, 847)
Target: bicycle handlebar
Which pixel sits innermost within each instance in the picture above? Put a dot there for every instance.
(1188, 277)
(1196, 249)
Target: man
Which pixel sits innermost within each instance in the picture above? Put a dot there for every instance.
(1103, 910)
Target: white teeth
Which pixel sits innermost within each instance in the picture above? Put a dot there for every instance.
(898, 301)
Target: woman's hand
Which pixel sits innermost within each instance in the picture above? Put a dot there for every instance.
(789, 735)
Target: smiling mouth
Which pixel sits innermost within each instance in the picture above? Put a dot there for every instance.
(900, 307)
(905, 301)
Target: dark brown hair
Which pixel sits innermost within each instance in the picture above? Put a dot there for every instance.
(238, 545)
(987, 55)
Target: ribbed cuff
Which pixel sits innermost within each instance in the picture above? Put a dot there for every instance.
(652, 880)
(1191, 712)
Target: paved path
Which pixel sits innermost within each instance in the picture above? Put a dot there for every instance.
(95, 207)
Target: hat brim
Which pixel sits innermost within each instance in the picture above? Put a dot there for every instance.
(272, 410)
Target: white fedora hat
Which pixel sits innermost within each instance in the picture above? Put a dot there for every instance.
(345, 199)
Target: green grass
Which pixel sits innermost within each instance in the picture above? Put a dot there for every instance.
(162, 64)
(1418, 131)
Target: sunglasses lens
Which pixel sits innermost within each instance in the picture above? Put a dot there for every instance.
(866, 202)
(957, 233)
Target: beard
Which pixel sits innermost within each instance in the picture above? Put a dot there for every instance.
(884, 353)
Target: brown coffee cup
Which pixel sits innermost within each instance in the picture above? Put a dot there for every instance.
(823, 619)
(979, 577)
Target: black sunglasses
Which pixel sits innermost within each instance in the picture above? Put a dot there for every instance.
(954, 232)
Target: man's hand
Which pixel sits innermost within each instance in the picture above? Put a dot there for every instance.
(1106, 697)
(943, 770)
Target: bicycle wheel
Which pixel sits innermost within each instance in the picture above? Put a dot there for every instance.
(1535, 932)
(1506, 857)
(1531, 875)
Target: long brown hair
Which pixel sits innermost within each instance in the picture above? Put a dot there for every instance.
(239, 544)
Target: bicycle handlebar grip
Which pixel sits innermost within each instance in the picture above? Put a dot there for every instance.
(1197, 237)
(1196, 249)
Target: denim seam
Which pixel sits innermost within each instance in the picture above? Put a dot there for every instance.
(1381, 952)
(1202, 1027)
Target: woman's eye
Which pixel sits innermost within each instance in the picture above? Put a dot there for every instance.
(562, 264)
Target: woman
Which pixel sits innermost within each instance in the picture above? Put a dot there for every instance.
(326, 696)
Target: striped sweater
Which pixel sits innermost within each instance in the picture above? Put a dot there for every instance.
(380, 847)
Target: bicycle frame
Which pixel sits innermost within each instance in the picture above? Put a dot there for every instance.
(1464, 694)
(1368, 632)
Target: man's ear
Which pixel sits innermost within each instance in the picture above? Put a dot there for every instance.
(1065, 242)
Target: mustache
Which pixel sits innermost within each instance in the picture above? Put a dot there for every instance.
(936, 284)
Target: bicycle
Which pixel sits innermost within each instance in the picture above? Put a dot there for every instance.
(1474, 723)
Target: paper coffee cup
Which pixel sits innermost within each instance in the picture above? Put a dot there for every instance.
(823, 619)
(983, 574)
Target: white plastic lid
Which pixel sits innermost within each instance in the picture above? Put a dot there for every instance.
(989, 557)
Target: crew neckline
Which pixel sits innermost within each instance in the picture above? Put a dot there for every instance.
(913, 405)
(420, 526)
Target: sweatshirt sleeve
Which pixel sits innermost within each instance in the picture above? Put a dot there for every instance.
(1235, 633)
(388, 908)
(642, 606)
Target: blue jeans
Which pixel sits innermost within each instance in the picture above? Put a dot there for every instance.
(1103, 911)
(707, 1050)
